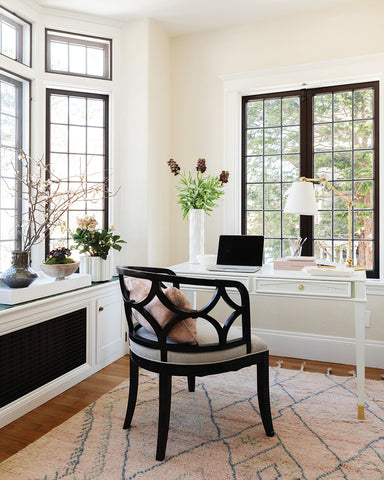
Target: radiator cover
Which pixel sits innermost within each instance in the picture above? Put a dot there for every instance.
(36, 355)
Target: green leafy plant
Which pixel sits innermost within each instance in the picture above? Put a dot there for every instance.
(59, 256)
(93, 241)
(196, 190)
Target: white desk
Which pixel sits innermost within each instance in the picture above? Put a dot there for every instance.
(299, 284)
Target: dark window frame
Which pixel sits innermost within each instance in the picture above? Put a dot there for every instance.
(307, 158)
(20, 24)
(105, 98)
(79, 39)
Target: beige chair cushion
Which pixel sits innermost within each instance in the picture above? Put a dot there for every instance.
(206, 335)
(182, 332)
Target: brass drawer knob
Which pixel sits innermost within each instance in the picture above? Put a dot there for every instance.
(301, 286)
(101, 309)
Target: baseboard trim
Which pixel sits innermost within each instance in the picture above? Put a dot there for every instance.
(319, 347)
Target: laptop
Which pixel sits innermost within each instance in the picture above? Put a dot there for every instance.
(239, 253)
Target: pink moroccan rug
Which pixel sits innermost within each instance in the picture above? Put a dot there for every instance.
(216, 433)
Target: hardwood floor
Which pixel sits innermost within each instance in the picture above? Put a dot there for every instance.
(33, 425)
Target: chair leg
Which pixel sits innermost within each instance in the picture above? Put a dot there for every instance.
(133, 385)
(165, 389)
(263, 396)
(191, 383)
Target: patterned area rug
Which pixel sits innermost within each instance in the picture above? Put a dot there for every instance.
(216, 433)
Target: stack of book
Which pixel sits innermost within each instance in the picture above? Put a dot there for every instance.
(294, 263)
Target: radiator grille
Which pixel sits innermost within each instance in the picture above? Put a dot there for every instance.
(33, 356)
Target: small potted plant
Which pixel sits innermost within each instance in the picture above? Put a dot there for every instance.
(59, 264)
(95, 244)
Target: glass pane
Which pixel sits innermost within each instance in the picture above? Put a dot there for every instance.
(343, 136)
(322, 108)
(5, 258)
(363, 194)
(255, 223)
(342, 104)
(364, 253)
(363, 164)
(272, 250)
(77, 60)
(7, 220)
(97, 201)
(8, 40)
(345, 188)
(272, 224)
(291, 111)
(59, 138)
(323, 226)
(95, 61)
(291, 139)
(77, 111)
(363, 104)
(8, 98)
(8, 130)
(322, 140)
(95, 113)
(342, 164)
(255, 114)
(323, 197)
(95, 140)
(77, 136)
(255, 142)
(340, 251)
(8, 188)
(291, 169)
(95, 168)
(255, 197)
(363, 134)
(323, 250)
(340, 225)
(77, 166)
(59, 109)
(290, 226)
(363, 224)
(7, 162)
(272, 196)
(272, 168)
(272, 141)
(323, 165)
(254, 169)
(59, 165)
(272, 112)
(59, 56)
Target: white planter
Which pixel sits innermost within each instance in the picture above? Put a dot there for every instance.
(99, 269)
(196, 234)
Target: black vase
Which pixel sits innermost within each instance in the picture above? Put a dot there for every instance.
(19, 275)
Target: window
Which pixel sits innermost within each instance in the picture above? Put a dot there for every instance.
(77, 147)
(78, 54)
(13, 123)
(327, 132)
(15, 37)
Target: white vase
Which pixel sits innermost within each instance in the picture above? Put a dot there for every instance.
(196, 234)
(99, 269)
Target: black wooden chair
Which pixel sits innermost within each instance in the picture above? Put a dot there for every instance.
(221, 346)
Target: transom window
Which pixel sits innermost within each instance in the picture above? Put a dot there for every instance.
(328, 132)
(77, 149)
(15, 37)
(76, 54)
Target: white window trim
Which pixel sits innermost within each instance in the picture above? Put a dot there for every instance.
(311, 75)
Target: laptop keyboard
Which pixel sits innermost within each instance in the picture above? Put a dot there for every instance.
(234, 268)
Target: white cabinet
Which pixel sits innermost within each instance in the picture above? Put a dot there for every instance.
(85, 329)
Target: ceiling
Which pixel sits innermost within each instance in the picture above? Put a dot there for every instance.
(179, 17)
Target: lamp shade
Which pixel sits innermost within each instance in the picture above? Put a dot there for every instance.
(301, 199)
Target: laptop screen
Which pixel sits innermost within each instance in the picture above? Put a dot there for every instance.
(240, 250)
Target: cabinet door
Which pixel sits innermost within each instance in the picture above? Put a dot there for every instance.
(111, 343)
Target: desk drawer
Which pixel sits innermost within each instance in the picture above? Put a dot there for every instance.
(303, 287)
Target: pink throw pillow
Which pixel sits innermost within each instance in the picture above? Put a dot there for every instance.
(184, 331)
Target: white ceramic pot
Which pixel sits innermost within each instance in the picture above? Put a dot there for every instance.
(99, 269)
(59, 270)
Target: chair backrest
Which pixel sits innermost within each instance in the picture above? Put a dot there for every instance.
(159, 279)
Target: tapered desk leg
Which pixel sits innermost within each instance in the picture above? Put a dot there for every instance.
(360, 357)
